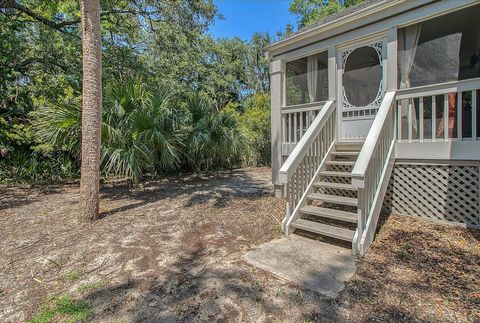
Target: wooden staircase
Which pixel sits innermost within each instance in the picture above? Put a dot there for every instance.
(331, 210)
(337, 189)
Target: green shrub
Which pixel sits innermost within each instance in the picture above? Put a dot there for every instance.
(215, 139)
(143, 133)
(255, 122)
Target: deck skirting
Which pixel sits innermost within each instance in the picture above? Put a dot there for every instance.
(442, 192)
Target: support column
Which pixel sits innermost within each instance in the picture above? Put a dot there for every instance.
(332, 73)
(276, 68)
(332, 84)
(392, 61)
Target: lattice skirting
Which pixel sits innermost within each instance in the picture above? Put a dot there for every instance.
(440, 192)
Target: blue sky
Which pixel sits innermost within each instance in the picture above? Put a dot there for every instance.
(244, 17)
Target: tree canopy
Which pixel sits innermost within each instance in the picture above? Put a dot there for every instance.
(309, 12)
(162, 44)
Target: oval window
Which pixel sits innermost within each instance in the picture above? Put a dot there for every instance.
(362, 76)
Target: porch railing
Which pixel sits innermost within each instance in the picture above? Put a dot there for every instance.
(439, 113)
(295, 122)
(372, 171)
(300, 168)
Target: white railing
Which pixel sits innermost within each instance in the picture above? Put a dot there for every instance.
(303, 164)
(297, 119)
(439, 113)
(372, 171)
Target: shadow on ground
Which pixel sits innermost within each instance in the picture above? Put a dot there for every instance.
(200, 189)
(193, 290)
(17, 196)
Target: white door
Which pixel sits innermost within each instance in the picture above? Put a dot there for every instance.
(362, 84)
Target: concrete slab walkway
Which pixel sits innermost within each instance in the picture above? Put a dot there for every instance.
(314, 265)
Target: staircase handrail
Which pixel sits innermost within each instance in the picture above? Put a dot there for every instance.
(372, 170)
(303, 164)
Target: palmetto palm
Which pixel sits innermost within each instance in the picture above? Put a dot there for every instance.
(59, 125)
(141, 132)
(149, 133)
(215, 139)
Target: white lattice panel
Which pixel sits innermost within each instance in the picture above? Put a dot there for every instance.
(447, 193)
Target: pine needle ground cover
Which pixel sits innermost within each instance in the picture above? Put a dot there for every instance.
(171, 249)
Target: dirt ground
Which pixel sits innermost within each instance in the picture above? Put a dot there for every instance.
(170, 251)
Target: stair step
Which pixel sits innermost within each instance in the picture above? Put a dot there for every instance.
(337, 186)
(345, 153)
(349, 146)
(342, 200)
(334, 173)
(340, 162)
(324, 229)
(329, 213)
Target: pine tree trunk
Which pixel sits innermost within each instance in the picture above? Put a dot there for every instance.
(91, 109)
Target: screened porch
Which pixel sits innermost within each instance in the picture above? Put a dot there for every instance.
(437, 83)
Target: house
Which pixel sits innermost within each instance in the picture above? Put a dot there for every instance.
(378, 106)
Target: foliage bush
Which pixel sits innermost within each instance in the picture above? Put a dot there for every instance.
(255, 122)
(214, 140)
(141, 132)
(24, 158)
(146, 133)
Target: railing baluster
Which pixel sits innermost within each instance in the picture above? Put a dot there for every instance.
(298, 181)
(295, 127)
(309, 167)
(304, 174)
(474, 114)
(434, 119)
(290, 128)
(301, 123)
(446, 117)
(399, 121)
(459, 115)
(302, 178)
(410, 121)
(332, 130)
(328, 132)
(420, 116)
(323, 141)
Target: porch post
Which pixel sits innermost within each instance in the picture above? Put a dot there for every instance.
(276, 120)
(332, 73)
(332, 84)
(392, 78)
